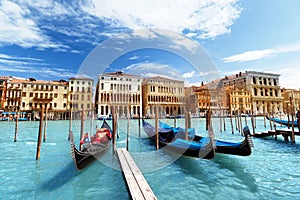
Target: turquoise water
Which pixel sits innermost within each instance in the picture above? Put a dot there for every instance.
(271, 172)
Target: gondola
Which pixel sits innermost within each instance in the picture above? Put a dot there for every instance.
(168, 140)
(92, 148)
(234, 148)
(283, 122)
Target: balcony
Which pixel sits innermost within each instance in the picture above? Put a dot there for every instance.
(42, 100)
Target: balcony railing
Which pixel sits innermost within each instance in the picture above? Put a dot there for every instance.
(44, 99)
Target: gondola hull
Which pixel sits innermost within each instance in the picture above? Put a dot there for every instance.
(90, 152)
(283, 122)
(234, 148)
(83, 159)
(179, 146)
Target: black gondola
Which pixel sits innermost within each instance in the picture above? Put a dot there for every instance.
(93, 148)
(283, 122)
(167, 139)
(234, 148)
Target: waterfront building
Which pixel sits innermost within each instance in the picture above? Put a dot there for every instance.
(166, 93)
(80, 94)
(264, 89)
(13, 94)
(291, 102)
(211, 97)
(3, 86)
(120, 90)
(239, 100)
(52, 95)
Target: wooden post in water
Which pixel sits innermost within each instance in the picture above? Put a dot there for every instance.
(232, 131)
(241, 124)
(114, 124)
(224, 119)
(206, 120)
(236, 123)
(252, 118)
(186, 125)
(70, 123)
(81, 127)
(292, 113)
(175, 116)
(156, 128)
(265, 124)
(298, 119)
(45, 124)
(246, 124)
(38, 150)
(16, 126)
(275, 131)
(128, 129)
(139, 123)
(288, 114)
(220, 119)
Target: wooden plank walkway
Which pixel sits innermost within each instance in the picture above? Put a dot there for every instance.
(138, 187)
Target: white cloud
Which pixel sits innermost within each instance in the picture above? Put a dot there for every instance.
(188, 74)
(147, 69)
(15, 64)
(249, 56)
(260, 54)
(135, 57)
(17, 26)
(204, 19)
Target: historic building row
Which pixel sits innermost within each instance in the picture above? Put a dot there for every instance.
(59, 97)
(248, 92)
(131, 95)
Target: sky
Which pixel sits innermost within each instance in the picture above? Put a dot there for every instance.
(191, 40)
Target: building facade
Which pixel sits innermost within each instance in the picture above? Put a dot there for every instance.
(80, 94)
(263, 87)
(122, 91)
(3, 86)
(291, 100)
(168, 94)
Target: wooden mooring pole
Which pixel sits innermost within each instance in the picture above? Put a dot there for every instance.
(186, 125)
(38, 150)
(114, 124)
(45, 125)
(81, 127)
(156, 128)
(70, 123)
(175, 116)
(16, 126)
(231, 124)
(224, 122)
(288, 115)
(298, 120)
(128, 128)
(292, 113)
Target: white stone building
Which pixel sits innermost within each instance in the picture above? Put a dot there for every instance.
(122, 91)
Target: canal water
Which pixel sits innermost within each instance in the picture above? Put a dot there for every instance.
(272, 171)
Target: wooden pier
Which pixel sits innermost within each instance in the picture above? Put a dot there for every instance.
(284, 133)
(138, 187)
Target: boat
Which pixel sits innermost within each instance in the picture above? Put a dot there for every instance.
(242, 148)
(168, 140)
(21, 119)
(91, 148)
(283, 122)
(105, 117)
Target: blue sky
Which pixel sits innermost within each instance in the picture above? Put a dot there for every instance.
(53, 40)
